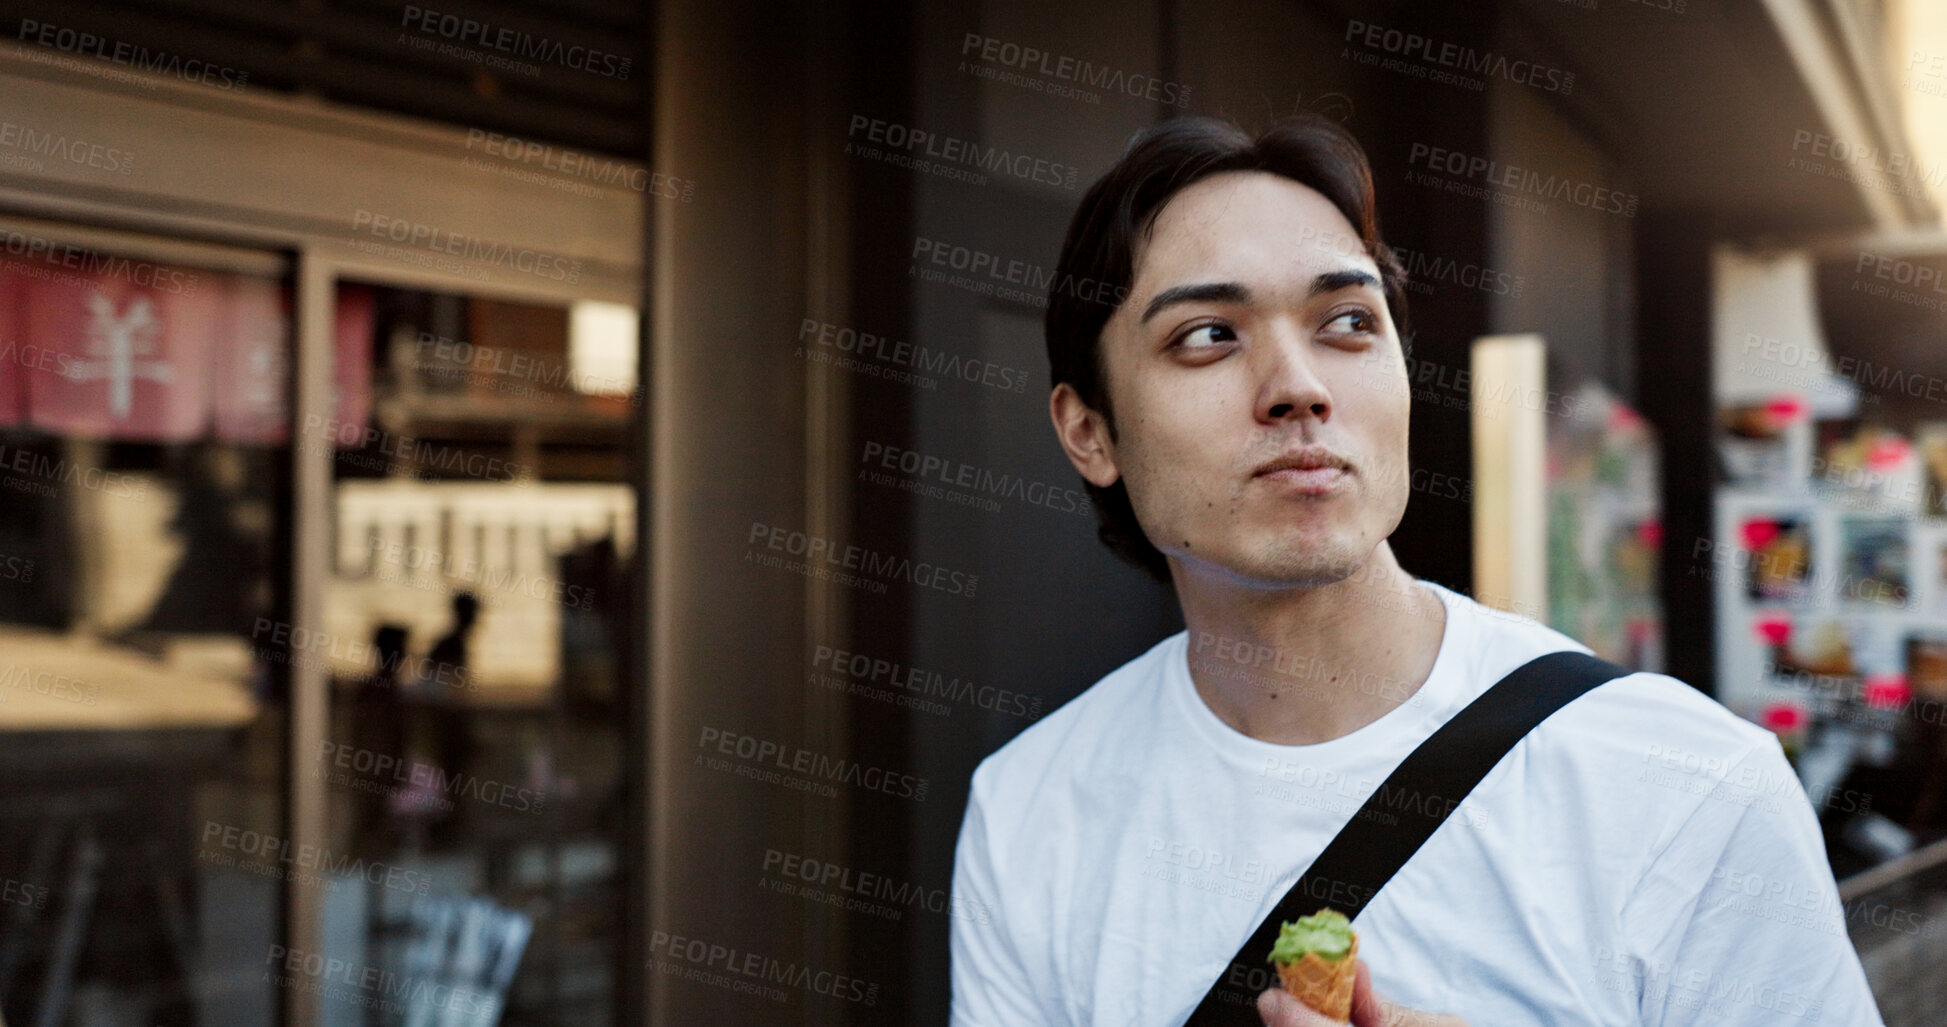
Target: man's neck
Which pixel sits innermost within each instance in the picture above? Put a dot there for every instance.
(1304, 666)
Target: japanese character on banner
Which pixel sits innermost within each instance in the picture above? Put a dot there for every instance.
(129, 358)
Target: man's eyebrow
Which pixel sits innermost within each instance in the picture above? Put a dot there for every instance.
(1333, 281)
(1210, 292)
(1232, 292)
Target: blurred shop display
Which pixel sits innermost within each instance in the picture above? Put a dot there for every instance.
(1577, 466)
(1829, 565)
(1605, 529)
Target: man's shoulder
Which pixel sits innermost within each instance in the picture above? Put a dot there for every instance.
(1645, 749)
(1068, 734)
(1644, 721)
(1643, 714)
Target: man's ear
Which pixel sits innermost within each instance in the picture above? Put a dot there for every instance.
(1084, 436)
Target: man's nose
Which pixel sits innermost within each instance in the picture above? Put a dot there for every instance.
(1289, 384)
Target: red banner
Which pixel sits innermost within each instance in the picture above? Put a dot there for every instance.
(252, 372)
(117, 349)
(130, 346)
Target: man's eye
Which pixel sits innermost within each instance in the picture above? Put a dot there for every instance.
(1204, 336)
(1361, 322)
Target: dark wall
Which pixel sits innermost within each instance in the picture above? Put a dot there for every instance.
(850, 240)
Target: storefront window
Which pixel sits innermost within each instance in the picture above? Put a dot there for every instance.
(144, 441)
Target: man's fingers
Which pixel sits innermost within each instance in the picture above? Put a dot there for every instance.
(1368, 1009)
(1280, 1008)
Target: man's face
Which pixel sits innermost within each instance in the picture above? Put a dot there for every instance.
(1258, 386)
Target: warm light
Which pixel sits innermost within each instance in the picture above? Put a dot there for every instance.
(602, 347)
(1919, 31)
(1510, 432)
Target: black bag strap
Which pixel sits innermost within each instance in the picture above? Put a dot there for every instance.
(1402, 814)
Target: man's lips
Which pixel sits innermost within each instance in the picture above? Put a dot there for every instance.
(1310, 471)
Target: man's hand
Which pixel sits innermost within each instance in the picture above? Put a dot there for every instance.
(1280, 1008)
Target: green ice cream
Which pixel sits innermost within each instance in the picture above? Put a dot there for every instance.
(1326, 932)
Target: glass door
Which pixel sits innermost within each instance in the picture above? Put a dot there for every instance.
(476, 624)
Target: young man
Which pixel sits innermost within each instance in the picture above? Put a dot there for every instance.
(1232, 387)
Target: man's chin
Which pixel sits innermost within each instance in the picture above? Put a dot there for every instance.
(1282, 568)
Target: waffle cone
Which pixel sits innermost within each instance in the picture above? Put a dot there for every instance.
(1323, 984)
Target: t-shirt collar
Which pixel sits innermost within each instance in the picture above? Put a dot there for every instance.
(1412, 720)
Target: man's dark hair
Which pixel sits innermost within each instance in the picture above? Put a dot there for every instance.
(1097, 257)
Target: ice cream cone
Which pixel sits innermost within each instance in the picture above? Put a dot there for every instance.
(1323, 984)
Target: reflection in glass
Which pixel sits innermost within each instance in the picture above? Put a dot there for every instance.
(143, 422)
(477, 604)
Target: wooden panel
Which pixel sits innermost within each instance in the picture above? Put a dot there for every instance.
(1510, 431)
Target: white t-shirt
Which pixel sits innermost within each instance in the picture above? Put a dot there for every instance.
(1643, 857)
